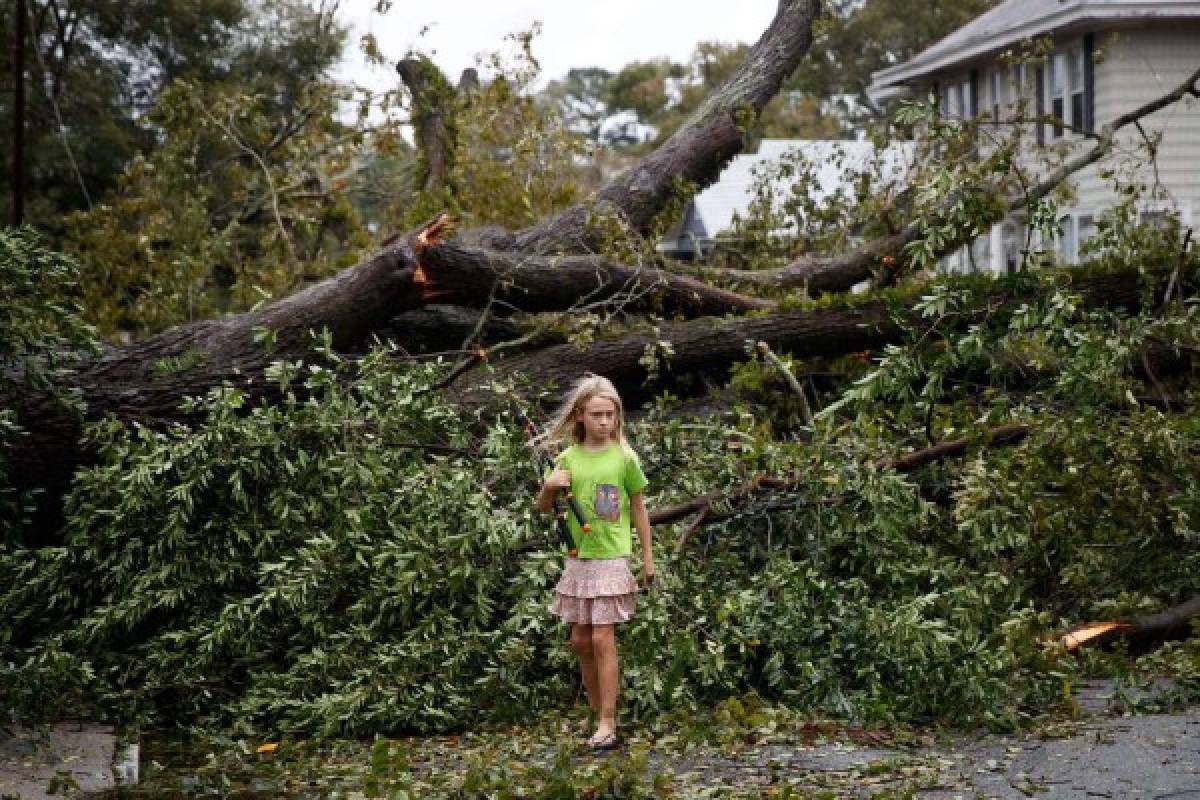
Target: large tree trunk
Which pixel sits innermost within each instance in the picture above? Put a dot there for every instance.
(699, 345)
(537, 283)
(713, 344)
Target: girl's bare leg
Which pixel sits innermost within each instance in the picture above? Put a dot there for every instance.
(581, 643)
(604, 654)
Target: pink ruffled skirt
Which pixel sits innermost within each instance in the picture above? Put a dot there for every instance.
(595, 591)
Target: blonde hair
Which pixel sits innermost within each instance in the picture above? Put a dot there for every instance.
(566, 426)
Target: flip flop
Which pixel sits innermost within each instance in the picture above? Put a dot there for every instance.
(603, 745)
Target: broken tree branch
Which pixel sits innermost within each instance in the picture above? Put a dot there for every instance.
(433, 102)
(1150, 627)
(995, 437)
(794, 384)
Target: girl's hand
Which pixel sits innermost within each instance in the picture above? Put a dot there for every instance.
(648, 577)
(559, 479)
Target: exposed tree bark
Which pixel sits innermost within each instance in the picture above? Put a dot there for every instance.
(540, 283)
(445, 328)
(433, 100)
(821, 275)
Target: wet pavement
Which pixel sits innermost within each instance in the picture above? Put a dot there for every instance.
(67, 759)
(1105, 753)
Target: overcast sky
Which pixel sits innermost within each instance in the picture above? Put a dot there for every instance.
(575, 33)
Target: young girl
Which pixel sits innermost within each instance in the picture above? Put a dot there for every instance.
(597, 590)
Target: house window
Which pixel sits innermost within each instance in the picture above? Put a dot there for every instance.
(1011, 237)
(1039, 93)
(979, 256)
(1057, 68)
(1066, 89)
(1075, 59)
(1089, 83)
(966, 99)
(1066, 240)
(997, 98)
(1018, 86)
(950, 100)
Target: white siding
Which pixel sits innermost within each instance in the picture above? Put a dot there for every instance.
(1136, 66)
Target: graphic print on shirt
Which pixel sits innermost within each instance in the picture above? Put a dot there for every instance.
(608, 502)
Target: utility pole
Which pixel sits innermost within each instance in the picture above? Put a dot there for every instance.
(18, 168)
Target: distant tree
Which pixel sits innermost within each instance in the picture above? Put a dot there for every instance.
(642, 87)
(826, 97)
(95, 67)
(856, 38)
(234, 205)
(580, 99)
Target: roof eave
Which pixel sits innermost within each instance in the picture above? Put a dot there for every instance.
(915, 68)
(886, 94)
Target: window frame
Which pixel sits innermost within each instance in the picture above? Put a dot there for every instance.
(996, 87)
(1066, 90)
(1057, 91)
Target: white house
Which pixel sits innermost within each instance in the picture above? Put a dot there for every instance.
(1107, 58)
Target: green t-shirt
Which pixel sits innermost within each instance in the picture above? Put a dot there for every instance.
(602, 482)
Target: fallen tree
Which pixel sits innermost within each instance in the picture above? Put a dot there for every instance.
(335, 545)
(361, 556)
(499, 272)
(209, 354)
